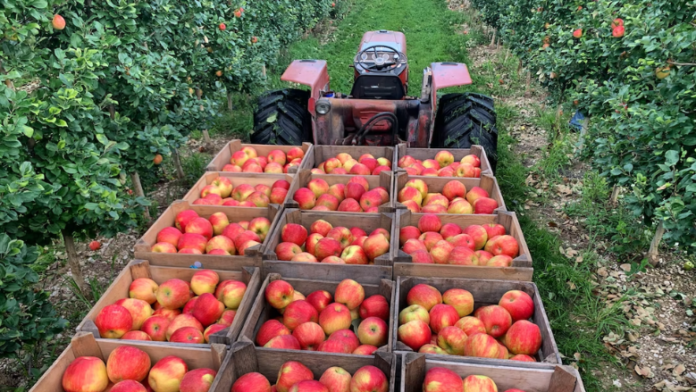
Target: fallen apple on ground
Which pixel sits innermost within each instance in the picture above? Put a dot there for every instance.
(247, 160)
(354, 196)
(473, 245)
(222, 192)
(199, 308)
(446, 323)
(344, 163)
(216, 235)
(293, 376)
(339, 245)
(131, 370)
(442, 165)
(454, 199)
(322, 321)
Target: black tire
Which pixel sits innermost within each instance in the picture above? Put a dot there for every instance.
(282, 118)
(463, 120)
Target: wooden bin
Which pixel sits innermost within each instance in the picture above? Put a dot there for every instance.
(485, 292)
(435, 185)
(252, 257)
(384, 179)
(251, 276)
(429, 153)
(322, 153)
(371, 273)
(549, 378)
(521, 268)
(252, 179)
(245, 358)
(261, 311)
(223, 157)
(84, 344)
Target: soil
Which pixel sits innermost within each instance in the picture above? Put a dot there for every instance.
(657, 353)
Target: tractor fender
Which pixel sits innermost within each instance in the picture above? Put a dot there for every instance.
(312, 73)
(447, 75)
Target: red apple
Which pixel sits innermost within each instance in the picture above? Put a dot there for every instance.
(290, 374)
(414, 334)
(442, 316)
(309, 334)
(269, 330)
(523, 337)
(452, 340)
(471, 325)
(85, 374)
(369, 378)
(127, 363)
(518, 303)
(279, 294)
(252, 382)
(335, 317)
(481, 345)
(113, 321)
(298, 312)
(373, 331)
(460, 299)
(166, 374)
(374, 306)
(496, 319)
(462, 255)
(479, 384)
(424, 295)
(283, 342)
(183, 218)
(292, 232)
(336, 379)
(350, 293)
(197, 380)
(287, 250)
(156, 328)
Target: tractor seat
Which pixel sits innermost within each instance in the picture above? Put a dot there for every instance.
(385, 87)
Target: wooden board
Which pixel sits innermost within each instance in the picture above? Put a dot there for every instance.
(429, 153)
(436, 184)
(245, 358)
(538, 379)
(84, 344)
(367, 222)
(251, 276)
(252, 179)
(261, 311)
(521, 268)
(252, 257)
(485, 292)
(223, 157)
(384, 179)
(322, 153)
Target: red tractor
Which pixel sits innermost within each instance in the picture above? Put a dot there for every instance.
(378, 111)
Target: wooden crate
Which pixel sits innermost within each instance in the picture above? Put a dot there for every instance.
(429, 153)
(252, 257)
(374, 273)
(549, 378)
(435, 185)
(223, 157)
(322, 153)
(521, 268)
(261, 311)
(251, 276)
(485, 292)
(384, 179)
(84, 344)
(252, 179)
(244, 358)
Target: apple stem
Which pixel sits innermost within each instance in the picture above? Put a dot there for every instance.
(73, 261)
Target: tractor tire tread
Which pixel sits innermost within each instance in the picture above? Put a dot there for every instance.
(281, 118)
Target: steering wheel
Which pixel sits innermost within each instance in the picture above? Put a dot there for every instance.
(378, 64)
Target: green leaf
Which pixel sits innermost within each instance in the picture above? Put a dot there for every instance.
(28, 131)
(671, 157)
(102, 139)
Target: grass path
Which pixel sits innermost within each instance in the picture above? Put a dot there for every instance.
(429, 38)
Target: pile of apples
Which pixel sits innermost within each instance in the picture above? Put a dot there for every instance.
(442, 166)
(436, 323)
(443, 379)
(247, 160)
(332, 245)
(221, 192)
(476, 245)
(322, 322)
(175, 311)
(355, 196)
(128, 369)
(454, 199)
(293, 376)
(213, 236)
(344, 163)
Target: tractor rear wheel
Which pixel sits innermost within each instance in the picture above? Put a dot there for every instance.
(282, 118)
(466, 119)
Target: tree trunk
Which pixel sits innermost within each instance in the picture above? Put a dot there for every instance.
(653, 252)
(140, 193)
(615, 194)
(177, 163)
(74, 262)
(230, 105)
(493, 38)
(529, 83)
(206, 136)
